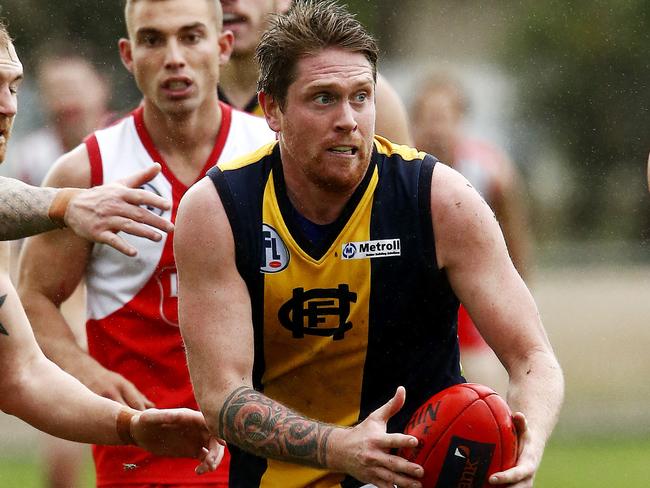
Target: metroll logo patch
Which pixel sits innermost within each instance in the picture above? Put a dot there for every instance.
(382, 248)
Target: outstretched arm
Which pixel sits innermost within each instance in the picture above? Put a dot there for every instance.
(97, 214)
(471, 249)
(51, 266)
(40, 393)
(216, 323)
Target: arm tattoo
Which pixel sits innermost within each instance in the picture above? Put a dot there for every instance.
(2, 329)
(266, 428)
(24, 209)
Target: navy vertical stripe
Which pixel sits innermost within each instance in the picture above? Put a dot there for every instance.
(246, 469)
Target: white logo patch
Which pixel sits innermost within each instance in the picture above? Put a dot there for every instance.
(275, 253)
(371, 249)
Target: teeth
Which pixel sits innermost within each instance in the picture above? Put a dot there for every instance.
(342, 149)
(229, 17)
(177, 85)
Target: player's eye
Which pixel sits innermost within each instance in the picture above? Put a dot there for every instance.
(192, 38)
(323, 98)
(151, 40)
(361, 97)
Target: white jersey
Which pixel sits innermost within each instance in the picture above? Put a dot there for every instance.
(132, 303)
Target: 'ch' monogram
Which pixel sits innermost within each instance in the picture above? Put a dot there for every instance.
(307, 310)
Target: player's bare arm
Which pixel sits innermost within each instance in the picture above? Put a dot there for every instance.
(53, 401)
(471, 248)
(216, 322)
(97, 214)
(24, 209)
(51, 267)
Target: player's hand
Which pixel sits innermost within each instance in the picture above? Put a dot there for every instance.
(113, 385)
(99, 213)
(523, 474)
(364, 451)
(178, 432)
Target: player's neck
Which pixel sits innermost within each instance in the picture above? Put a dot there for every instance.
(238, 80)
(185, 142)
(180, 131)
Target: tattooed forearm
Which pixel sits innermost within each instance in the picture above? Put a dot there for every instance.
(24, 209)
(266, 428)
(2, 329)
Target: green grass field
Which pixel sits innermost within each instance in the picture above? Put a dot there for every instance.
(569, 464)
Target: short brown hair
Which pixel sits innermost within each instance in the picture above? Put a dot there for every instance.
(307, 28)
(128, 4)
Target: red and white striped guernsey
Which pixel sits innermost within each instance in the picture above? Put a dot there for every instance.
(132, 302)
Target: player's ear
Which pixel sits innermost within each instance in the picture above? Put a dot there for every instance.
(126, 55)
(271, 110)
(226, 41)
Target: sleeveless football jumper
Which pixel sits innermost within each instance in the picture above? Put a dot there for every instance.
(339, 325)
(132, 302)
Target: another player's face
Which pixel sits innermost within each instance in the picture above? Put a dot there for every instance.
(327, 125)
(174, 51)
(74, 112)
(11, 74)
(436, 128)
(247, 20)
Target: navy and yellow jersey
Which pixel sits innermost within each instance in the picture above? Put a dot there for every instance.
(339, 325)
(252, 107)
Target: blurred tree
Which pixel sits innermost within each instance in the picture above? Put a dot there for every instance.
(585, 71)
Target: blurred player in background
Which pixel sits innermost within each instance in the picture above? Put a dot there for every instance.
(35, 389)
(174, 50)
(247, 19)
(437, 119)
(322, 273)
(70, 114)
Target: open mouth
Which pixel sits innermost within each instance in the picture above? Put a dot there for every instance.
(344, 150)
(230, 18)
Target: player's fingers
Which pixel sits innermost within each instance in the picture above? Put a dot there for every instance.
(141, 177)
(392, 406)
(397, 441)
(388, 478)
(136, 220)
(112, 239)
(146, 198)
(514, 475)
(398, 464)
(134, 398)
(139, 230)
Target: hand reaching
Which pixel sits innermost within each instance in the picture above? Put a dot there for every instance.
(365, 450)
(99, 213)
(178, 432)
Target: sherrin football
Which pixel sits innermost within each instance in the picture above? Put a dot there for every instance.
(465, 434)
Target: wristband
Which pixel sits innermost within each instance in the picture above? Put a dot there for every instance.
(59, 205)
(123, 427)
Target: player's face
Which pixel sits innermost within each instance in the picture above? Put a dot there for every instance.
(436, 129)
(247, 20)
(174, 51)
(327, 125)
(11, 74)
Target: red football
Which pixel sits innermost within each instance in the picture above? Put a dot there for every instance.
(466, 434)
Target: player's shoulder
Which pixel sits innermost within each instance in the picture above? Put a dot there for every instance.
(70, 170)
(390, 149)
